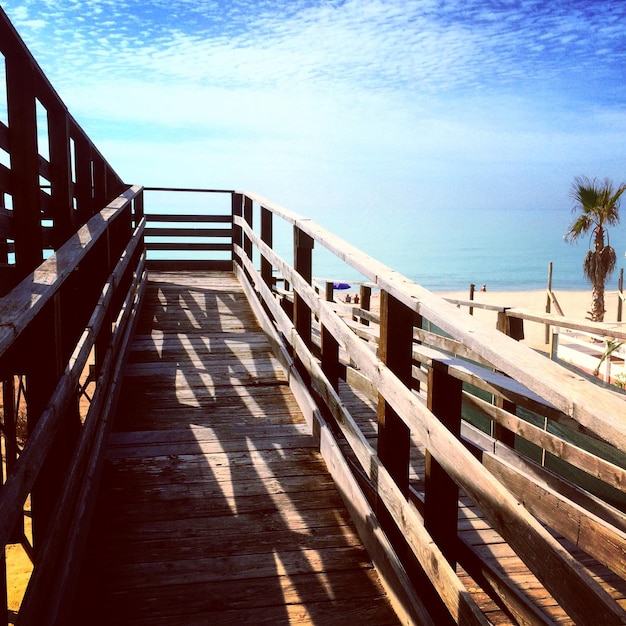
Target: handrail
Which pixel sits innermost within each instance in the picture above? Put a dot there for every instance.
(19, 308)
(563, 389)
(565, 397)
(189, 190)
(76, 178)
(76, 312)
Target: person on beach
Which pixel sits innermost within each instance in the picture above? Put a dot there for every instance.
(483, 288)
(348, 299)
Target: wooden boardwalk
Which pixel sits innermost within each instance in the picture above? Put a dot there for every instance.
(215, 506)
(498, 560)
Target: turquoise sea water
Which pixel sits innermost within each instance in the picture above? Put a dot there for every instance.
(449, 249)
(443, 250)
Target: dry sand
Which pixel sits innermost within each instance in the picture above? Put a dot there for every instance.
(575, 305)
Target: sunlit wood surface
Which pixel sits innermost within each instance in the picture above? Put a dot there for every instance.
(215, 506)
(499, 562)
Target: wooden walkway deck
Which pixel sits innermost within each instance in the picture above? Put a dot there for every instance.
(215, 506)
(498, 560)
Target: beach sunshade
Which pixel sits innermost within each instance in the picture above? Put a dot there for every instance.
(338, 285)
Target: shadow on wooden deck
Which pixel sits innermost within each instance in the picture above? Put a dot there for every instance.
(215, 505)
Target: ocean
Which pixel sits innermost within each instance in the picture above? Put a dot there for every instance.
(443, 250)
(507, 250)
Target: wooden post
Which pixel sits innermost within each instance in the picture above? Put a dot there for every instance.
(471, 297)
(548, 300)
(247, 215)
(498, 431)
(237, 211)
(365, 295)
(329, 292)
(84, 182)
(620, 294)
(138, 209)
(60, 174)
(99, 183)
(330, 347)
(330, 357)
(11, 450)
(4, 596)
(440, 491)
(267, 237)
(501, 324)
(396, 351)
(554, 346)
(22, 116)
(42, 375)
(303, 264)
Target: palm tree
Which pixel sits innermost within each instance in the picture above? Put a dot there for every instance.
(597, 205)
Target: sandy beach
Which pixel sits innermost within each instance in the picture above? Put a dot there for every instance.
(574, 304)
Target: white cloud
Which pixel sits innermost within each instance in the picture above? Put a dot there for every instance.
(406, 97)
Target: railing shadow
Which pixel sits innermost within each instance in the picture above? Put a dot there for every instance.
(215, 502)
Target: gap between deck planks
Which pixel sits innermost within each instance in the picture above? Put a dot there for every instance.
(215, 506)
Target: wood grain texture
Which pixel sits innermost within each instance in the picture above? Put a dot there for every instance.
(216, 506)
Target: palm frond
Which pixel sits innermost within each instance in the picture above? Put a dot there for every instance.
(599, 264)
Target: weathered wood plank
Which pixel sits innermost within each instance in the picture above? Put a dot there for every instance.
(217, 506)
(190, 217)
(329, 612)
(21, 305)
(189, 232)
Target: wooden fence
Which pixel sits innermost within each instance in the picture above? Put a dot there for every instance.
(588, 346)
(534, 416)
(63, 338)
(52, 178)
(496, 421)
(71, 274)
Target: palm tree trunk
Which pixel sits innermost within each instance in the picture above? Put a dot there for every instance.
(599, 277)
(597, 303)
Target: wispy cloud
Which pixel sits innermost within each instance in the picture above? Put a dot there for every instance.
(356, 92)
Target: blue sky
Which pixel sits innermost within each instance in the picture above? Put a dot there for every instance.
(359, 106)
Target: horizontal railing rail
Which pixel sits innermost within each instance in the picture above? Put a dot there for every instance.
(510, 426)
(598, 335)
(63, 336)
(179, 238)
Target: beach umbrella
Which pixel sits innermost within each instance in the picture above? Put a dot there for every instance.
(338, 285)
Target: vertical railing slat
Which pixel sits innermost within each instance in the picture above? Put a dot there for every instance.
(330, 347)
(247, 216)
(441, 493)
(22, 118)
(83, 187)
(60, 174)
(396, 342)
(237, 211)
(267, 236)
(303, 261)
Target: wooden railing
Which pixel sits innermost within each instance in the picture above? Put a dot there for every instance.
(71, 274)
(595, 337)
(498, 424)
(182, 233)
(52, 178)
(63, 336)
